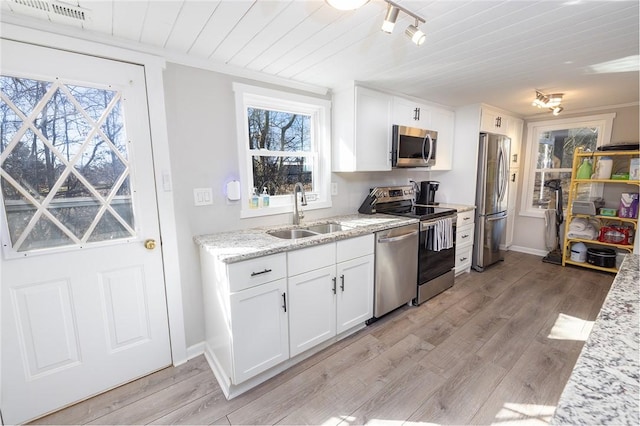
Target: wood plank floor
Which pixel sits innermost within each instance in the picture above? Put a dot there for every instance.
(498, 348)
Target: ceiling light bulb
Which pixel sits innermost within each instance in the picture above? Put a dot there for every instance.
(540, 101)
(346, 4)
(414, 33)
(554, 100)
(390, 19)
(557, 110)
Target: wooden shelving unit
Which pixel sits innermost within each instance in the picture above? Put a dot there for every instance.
(634, 185)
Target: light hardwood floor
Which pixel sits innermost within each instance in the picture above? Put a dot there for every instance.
(498, 347)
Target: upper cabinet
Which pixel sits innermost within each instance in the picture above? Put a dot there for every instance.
(362, 124)
(361, 130)
(412, 114)
(494, 121)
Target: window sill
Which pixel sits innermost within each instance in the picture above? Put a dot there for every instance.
(284, 209)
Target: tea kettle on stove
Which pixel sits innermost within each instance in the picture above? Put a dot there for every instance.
(427, 192)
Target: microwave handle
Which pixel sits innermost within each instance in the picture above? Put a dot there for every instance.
(430, 148)
(424, 141)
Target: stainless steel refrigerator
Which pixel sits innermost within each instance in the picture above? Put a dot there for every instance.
(491, 200)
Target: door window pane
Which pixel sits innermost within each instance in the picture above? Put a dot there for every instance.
(65, 170)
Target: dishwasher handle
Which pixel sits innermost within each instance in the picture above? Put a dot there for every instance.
(398, 238)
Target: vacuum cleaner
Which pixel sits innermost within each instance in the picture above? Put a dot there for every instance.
(555, 255)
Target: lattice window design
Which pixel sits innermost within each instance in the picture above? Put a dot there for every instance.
(64, 164)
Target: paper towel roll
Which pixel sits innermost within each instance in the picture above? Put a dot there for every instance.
(233, 190)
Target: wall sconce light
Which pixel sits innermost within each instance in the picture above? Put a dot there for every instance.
(346, 4)
(412, 31)
(548, 101)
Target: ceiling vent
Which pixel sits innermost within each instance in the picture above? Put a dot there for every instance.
(51, 10)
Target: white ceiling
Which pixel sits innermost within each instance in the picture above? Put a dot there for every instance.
(496, 52)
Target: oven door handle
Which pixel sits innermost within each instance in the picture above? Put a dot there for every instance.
(398, 238)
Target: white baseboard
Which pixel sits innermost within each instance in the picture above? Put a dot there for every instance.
(528, 250)
(195, 350)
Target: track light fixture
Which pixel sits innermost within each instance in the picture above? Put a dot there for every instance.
(390, 18)
(412, 31)
(548, 101)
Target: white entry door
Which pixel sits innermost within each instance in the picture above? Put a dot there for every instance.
(83, 296)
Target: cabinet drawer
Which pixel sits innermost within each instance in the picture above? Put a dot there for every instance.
(311, 258)
(463, 257)
(464, 235)
(354, 247)
(465, 218)
(243, 275)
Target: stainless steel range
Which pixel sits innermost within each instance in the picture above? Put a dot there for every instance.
(436, 240)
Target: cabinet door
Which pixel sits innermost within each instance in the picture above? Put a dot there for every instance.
(410, 113)
(355, 292)
(312, 311)
(515, 133)
(372, 131)
(259, 329)
(443, 121)
(511, 207)
(494, 122)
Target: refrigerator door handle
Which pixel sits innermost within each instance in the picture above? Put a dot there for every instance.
(503, 175)
(493, 219)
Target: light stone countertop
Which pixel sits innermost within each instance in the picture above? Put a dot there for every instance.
(459, 207)
(236, 246)
(604, 387)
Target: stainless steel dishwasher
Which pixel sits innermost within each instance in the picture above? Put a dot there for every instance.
(396, 268)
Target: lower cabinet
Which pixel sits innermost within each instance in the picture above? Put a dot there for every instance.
(260, 329)
(464, 241)
(262, 312)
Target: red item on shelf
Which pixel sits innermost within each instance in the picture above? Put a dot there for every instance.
(615, 235)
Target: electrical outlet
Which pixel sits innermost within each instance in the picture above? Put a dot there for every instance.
(334, 188)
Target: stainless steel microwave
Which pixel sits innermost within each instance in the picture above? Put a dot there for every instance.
(413, 147)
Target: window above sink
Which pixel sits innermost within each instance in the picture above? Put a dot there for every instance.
(282, 138)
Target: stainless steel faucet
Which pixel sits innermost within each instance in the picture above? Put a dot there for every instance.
(297, 213)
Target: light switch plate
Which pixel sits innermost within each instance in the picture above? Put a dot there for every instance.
(202, 196)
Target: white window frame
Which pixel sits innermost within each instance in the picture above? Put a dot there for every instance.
(603, 121)
(320, 111)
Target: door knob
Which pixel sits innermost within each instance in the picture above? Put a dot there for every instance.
(150, 244)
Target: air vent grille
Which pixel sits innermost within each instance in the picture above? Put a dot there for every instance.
(50, 8)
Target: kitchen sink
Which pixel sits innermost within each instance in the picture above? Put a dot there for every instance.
(326, 228)
(290, 234)
(308, 231)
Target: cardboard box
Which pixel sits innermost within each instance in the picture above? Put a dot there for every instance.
(634, 169)
(628, 205)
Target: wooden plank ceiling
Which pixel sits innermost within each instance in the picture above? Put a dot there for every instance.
(497, 52)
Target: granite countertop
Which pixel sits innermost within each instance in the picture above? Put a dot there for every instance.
(235, 246)
(604, 387)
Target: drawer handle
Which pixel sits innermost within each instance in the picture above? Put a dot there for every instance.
(342, 283)
(466, 218)
(253, 274)
(334, 279)
(284, 301)
(464, 236)
(462, 259)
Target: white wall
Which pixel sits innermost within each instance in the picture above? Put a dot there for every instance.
(202, 139)
(529, 231)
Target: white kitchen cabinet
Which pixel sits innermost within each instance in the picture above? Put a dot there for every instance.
(494, 121)
(361, 130)
(354, 293)
(511, 208)
(464, 241)
(331, 290)
(312, 309)
(259, 327)
(246, 318)
(411, 113)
